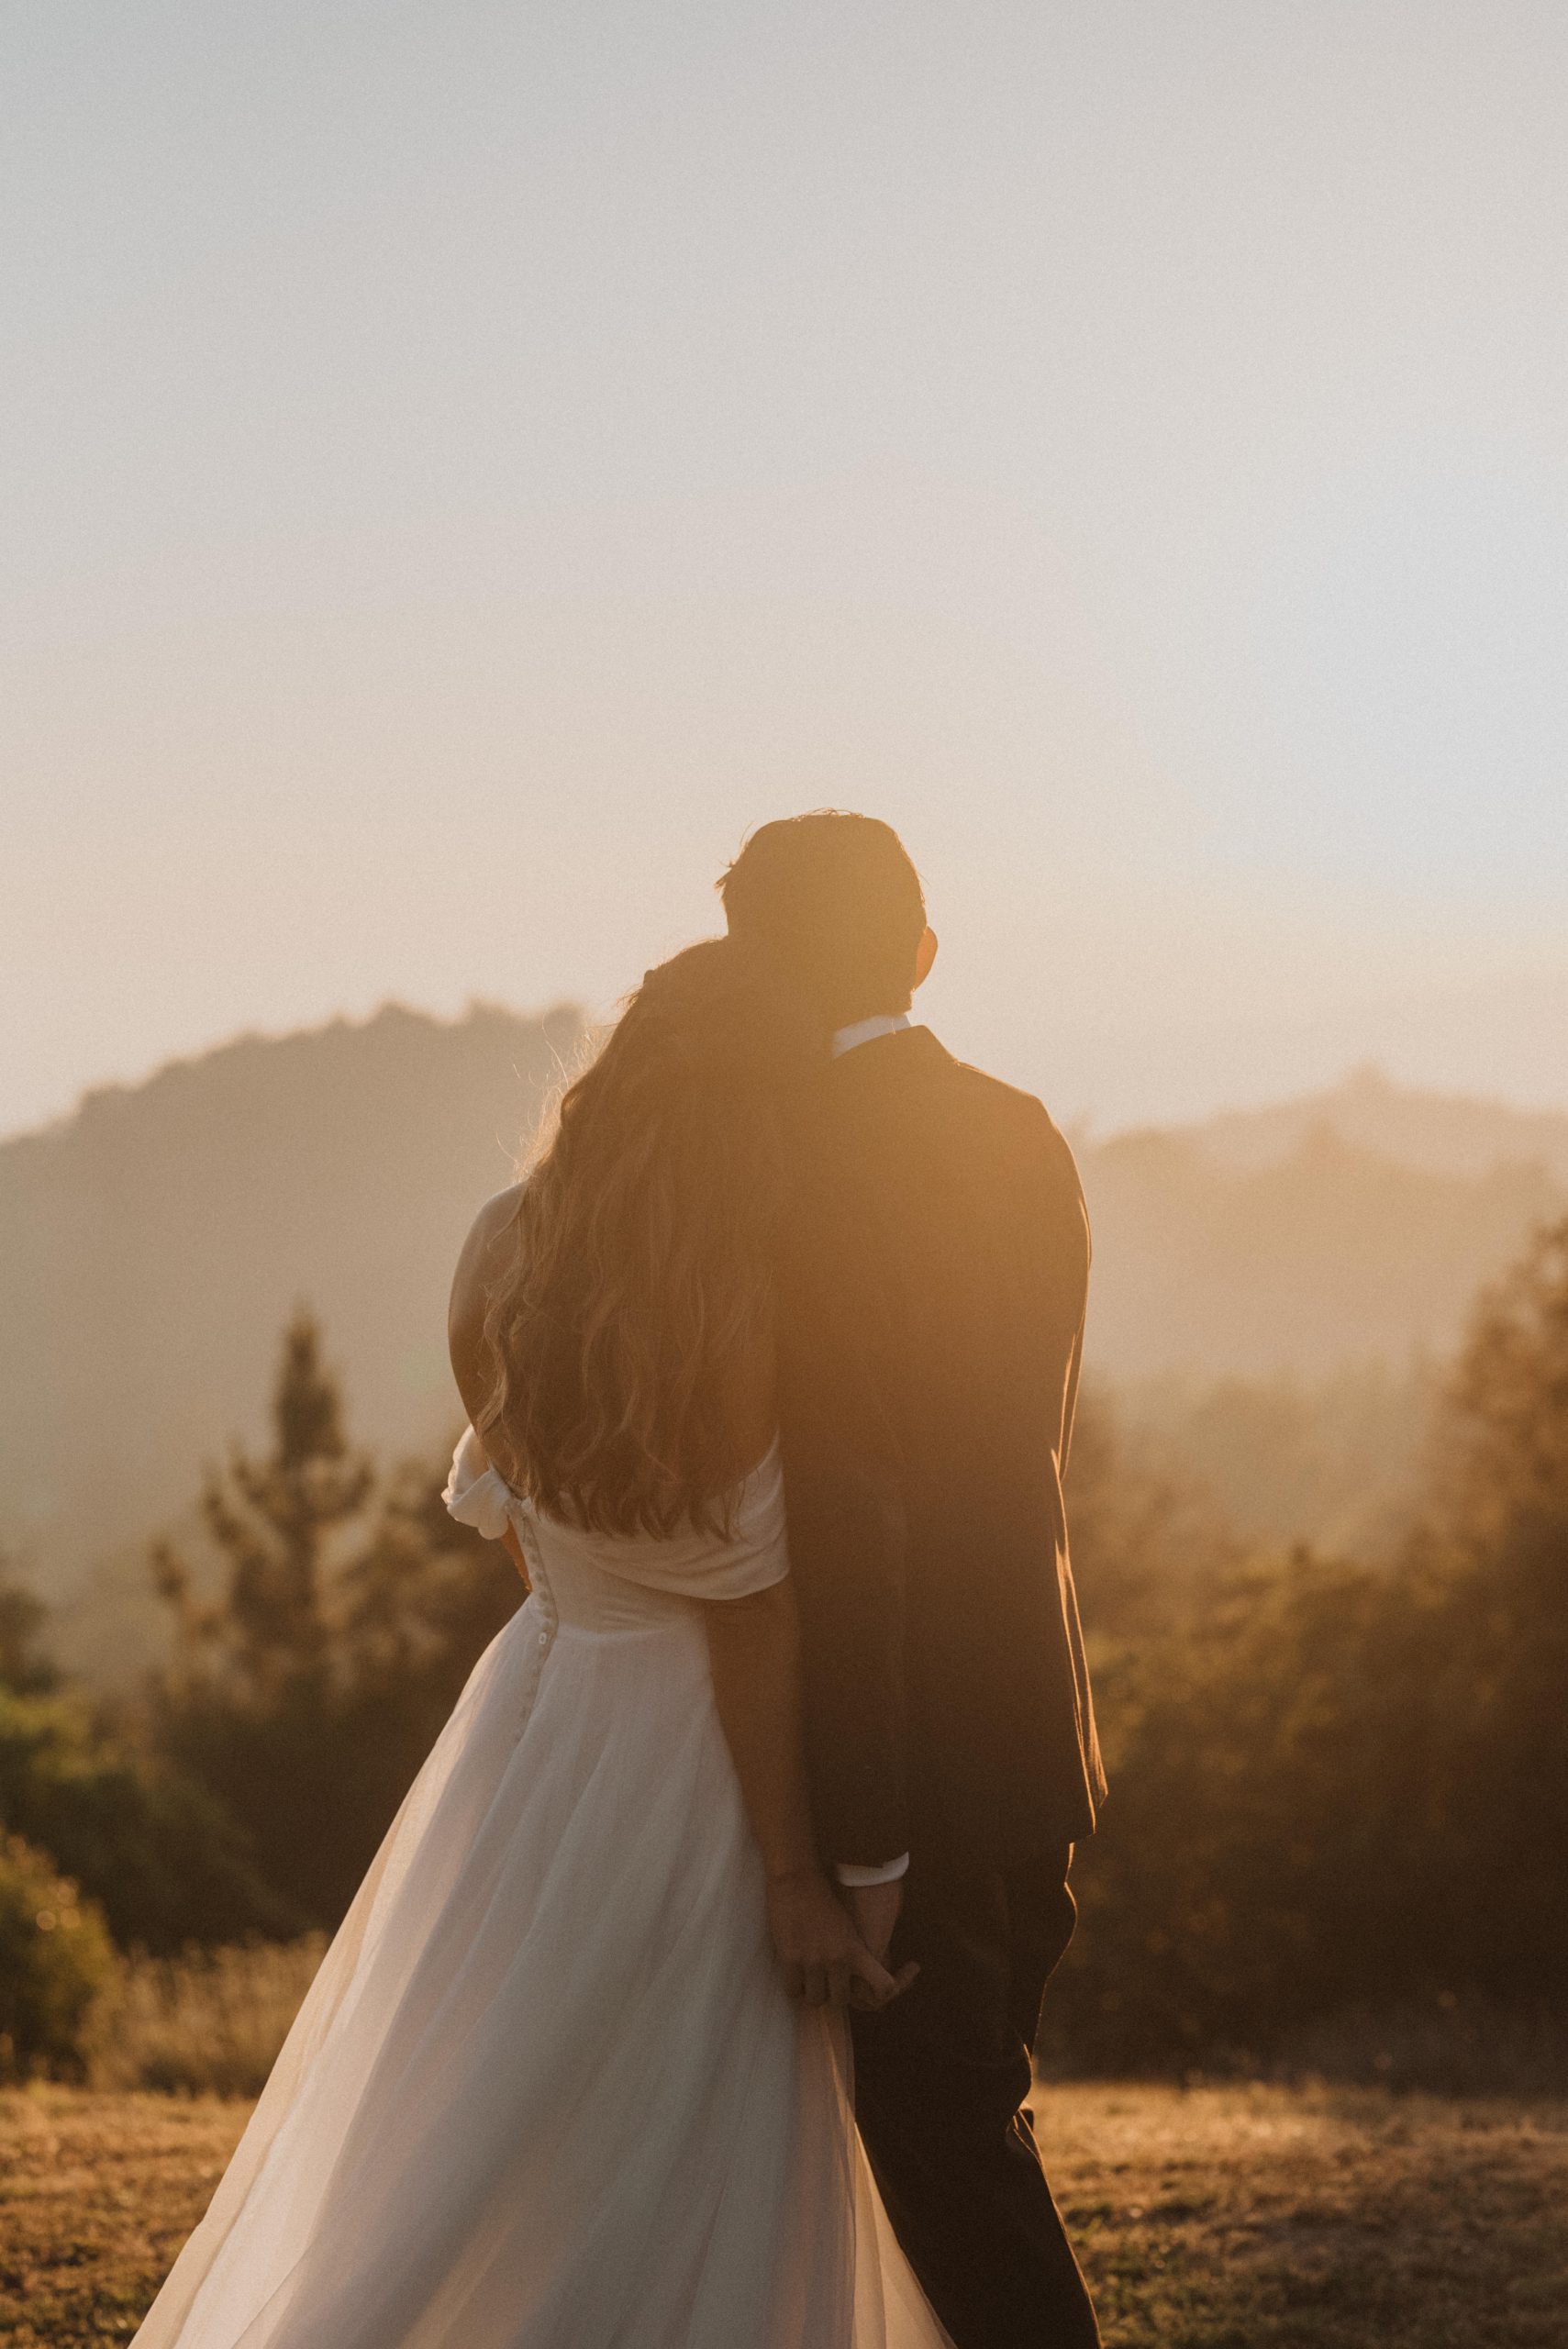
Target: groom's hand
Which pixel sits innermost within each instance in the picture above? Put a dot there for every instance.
(874, 1908)
(825, 1959)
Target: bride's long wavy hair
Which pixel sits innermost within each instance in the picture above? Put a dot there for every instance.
(626, 1327)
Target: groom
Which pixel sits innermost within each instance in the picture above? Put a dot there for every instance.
(931, 1291)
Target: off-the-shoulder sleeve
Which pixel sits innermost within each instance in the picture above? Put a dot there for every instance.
(690, 1566)
(474, 1494)
(702, 1565)
(727, 1571)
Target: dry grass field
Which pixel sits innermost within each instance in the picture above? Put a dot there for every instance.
(1213, 2218)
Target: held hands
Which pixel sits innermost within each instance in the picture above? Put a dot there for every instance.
(874, 1908)
(824, 1954)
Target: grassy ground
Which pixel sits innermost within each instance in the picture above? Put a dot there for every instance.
(1208, 2218)
(1255, 2218)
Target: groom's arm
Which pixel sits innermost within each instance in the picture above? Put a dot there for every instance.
(847, 1552)
(848, 1538)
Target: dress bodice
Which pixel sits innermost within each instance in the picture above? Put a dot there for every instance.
(609, 1583)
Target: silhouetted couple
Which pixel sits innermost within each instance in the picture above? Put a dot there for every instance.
(770, 1364)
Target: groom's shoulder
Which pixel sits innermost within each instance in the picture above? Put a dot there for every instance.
(1017, 1119)
(911, 1096)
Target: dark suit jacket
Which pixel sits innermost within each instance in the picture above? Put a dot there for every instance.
(932, 1279)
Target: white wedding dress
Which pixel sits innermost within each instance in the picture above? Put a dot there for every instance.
(547, 2090)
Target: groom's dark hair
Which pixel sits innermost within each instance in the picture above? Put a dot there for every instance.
(836, 904)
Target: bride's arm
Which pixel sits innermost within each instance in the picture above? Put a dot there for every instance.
(754, 1648)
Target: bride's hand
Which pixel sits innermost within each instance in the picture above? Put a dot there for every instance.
(826, 1962)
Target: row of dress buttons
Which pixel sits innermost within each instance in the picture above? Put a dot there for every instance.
(535, 1575)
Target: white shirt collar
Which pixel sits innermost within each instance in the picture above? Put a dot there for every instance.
(861, 1031)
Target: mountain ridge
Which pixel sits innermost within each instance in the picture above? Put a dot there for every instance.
(1452, 1134)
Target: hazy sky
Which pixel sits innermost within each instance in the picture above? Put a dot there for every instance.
(464, 463)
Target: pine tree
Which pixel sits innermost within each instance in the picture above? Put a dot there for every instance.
(1502, 1439)
(272, 1521)
(349, 1611)
(253, 1708)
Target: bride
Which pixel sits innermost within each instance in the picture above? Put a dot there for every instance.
(574, 2072)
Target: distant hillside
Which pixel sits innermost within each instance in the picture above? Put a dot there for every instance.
(1444, 1133)
(1329, 1254)
(153, 1244)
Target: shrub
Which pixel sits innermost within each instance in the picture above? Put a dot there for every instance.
(207, 2023)
(1446, 2047)
(55, 1957)
(158, 1853)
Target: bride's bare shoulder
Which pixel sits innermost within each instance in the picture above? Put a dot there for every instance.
(482, 1259)
(494, 1220)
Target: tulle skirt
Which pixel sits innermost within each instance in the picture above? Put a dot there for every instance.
(547, 2091)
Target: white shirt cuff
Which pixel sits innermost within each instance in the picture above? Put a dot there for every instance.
(857, 1879)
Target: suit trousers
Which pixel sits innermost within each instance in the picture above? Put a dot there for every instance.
(941, 2078)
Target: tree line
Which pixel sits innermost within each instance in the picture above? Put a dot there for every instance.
(1337, 1785)
(1338, 1789)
